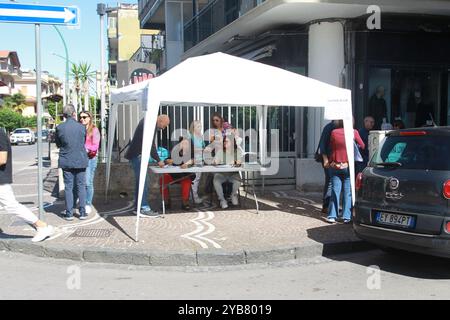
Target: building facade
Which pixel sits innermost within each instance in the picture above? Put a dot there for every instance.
(400, 49)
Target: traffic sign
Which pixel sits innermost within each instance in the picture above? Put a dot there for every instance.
(39, 14)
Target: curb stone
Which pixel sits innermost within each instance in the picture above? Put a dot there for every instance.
(178, 259)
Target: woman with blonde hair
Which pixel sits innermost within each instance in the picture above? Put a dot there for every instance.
(92, 145)
(198, 145)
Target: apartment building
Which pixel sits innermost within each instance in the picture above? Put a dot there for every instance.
(400, 48)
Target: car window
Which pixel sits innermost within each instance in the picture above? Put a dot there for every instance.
(21, 131)
(415, 152)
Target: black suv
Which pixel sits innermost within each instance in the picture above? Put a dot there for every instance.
(403, 196)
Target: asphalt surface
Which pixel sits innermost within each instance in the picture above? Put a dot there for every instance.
(403, 276)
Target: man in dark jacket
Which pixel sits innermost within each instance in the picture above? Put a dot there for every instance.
(73, 160)
(133, 154)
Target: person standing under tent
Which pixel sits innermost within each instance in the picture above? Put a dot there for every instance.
(134, 154)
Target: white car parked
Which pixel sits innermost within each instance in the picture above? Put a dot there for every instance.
(22, 135)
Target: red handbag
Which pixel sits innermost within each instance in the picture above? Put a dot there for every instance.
(92, 154)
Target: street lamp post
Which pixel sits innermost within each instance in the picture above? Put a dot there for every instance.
(66, 85)
(101, 11)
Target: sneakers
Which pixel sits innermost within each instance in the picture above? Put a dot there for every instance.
(347, 221)
(84, 217)
(43, 233)
(223, 204)
(146, 212)
(198, 200)
(186, 206)
(88, 209)
(235, 200)
(68, 218)
(331, 220)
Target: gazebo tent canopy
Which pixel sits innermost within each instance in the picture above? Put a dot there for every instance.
(222, 79)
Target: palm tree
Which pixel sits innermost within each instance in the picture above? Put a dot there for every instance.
(86, 76)
(76, 75)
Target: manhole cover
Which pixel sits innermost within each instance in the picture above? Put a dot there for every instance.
(92, 233)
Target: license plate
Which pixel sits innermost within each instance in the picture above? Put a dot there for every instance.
(395, 219)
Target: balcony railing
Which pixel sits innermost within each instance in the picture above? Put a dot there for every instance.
(213, 17)
(144, 7)
(17, 72)
(6, 68)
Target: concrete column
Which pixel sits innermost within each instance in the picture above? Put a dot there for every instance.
(174, 32)
(326, 63)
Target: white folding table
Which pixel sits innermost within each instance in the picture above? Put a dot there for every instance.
(208, 169)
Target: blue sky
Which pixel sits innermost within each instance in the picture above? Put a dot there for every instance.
(83, 43)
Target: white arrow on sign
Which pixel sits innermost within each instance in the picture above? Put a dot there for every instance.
(67, 15)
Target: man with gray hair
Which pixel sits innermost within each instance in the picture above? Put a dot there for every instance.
(73, 160)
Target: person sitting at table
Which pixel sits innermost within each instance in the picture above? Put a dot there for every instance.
(184, 179)
(228, 155)
(197, 145)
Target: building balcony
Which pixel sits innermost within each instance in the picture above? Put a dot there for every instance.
(152, 14)
(6, 68)
(213, 17)
(112, 33)
(16, 73)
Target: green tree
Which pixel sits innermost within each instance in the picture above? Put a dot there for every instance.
(9, 119)
(15, 102)
(86, 76)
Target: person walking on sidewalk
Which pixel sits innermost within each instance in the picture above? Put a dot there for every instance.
(133, 154)
(7, 198)
(73, 160)
(92, 145)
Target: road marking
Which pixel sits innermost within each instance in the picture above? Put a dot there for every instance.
(198, 235)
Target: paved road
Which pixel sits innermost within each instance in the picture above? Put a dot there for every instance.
(406, 276)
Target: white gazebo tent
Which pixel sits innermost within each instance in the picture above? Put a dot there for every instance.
(222, 79)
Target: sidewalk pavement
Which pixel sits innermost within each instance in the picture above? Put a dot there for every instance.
(290, 226)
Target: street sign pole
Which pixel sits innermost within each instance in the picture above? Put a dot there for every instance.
(39, 122)
(39, 14)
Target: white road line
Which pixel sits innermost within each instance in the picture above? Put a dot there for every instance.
(211, 229)
(199, 228)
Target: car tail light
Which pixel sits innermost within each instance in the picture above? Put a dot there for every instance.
(446, 190)
(358, 184)
(447, 227)
(413, 133)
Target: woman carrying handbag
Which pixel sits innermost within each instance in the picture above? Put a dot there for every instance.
(340, 173)
(92, 145)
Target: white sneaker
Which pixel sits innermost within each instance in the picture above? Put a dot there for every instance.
(198, 200)
(223, 204)
(88, 209)
(43, 233)
(234, 200)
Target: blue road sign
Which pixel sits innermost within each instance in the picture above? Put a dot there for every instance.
(39, 14)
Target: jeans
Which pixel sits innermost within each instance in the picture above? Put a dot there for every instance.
(136, 164)
(220, 178)
(196, 184)
(339, 179)
(90, 174)
(12, 206)
(326, 188)
(75, 178)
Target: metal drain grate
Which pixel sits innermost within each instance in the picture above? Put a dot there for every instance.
(92, 233)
